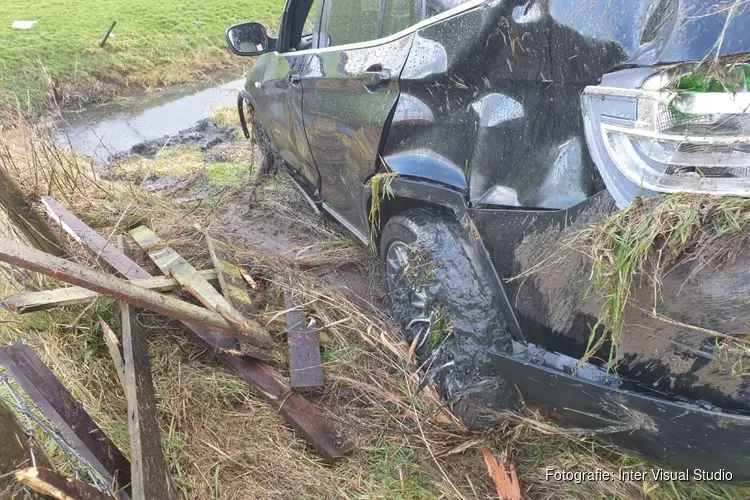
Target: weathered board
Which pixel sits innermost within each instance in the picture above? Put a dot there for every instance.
(25, 219)
(171, 263)
(148, 469)
(305, 364)
(115, 350)
(56, 403)
(50, 483)
(83, 234)
(302, 415)
(27, 302)
(125, 291)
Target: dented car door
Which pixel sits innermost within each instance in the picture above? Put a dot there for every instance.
(350, 88)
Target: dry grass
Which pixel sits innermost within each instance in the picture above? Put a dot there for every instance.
(221, 439)
(648, 238)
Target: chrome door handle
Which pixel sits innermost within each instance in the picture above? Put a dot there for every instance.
(375, 78)
(294, 79)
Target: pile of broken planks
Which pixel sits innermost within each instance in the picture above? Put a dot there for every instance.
(226, 326)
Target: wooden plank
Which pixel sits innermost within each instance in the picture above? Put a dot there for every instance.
(298, 412)
(83, 234)
(38, 301)
(52, 484)
(171, 263)
(23, 216)
(76, 274)
(115, 350)
(148, 468)
(305, 364)
(230, 277)
(77, 428)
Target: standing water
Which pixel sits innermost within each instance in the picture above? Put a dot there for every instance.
(115, 128)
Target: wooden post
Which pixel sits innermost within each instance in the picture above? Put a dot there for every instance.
(25, 219)
(148, 468)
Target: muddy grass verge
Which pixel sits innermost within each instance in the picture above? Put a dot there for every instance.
(221, 440)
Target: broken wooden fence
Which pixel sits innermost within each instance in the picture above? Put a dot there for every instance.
(292, 406)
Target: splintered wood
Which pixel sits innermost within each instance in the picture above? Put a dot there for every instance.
(76, 274)
(507, 485)
(170, 262)
(233, 286)
(305, 365)
(52, 484)
(56, 403)
(27, 302)
(226, 326)
(293, 407)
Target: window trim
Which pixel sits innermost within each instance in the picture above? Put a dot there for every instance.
(447, 14)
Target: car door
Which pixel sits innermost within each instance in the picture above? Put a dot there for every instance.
(282, 89)
(350, 87)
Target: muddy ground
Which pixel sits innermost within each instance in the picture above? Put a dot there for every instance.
(271, 217)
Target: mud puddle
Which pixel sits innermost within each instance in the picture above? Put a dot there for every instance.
(116, 127)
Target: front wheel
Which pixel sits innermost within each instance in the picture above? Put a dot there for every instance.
(446, 306)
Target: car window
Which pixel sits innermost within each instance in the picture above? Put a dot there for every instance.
(312, 23)
(399, 15)
(435, 7)
(352, 21)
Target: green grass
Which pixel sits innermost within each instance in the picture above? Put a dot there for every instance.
(649, 237)
(156, 43)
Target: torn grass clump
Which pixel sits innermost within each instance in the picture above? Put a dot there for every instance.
(380, 184)
(647, 239)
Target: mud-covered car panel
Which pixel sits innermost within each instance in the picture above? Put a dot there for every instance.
(667, 358)
(682, 435)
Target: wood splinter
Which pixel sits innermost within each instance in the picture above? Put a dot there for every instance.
(47, 482)
(170, 262)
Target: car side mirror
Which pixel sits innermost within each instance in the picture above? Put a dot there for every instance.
(249, 39)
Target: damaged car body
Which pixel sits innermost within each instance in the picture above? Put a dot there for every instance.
(491, 130)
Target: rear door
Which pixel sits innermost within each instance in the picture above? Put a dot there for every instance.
(350, 87)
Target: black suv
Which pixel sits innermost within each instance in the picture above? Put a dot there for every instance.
(492, 129)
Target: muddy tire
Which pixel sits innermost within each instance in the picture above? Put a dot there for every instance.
(441, 297)
(269, 161)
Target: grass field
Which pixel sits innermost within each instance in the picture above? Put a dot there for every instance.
(156, 43)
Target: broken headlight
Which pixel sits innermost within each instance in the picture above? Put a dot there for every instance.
(671, 131)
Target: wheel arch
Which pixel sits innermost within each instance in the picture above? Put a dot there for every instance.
(423, 193)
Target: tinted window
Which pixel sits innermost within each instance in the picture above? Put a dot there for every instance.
(435, 7)
(399, 15)
(353, 21)
(312, 23)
